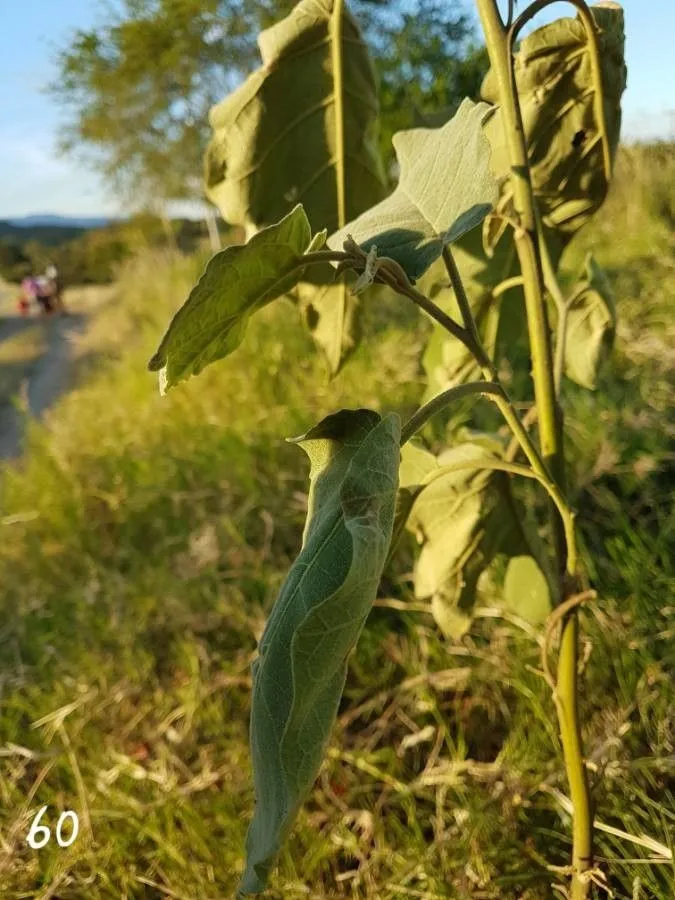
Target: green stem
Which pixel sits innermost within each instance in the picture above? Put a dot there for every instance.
(336, 51)
(464, 306)
(489, 370)
(440, 401)
(508, 411)
(526, 234)
(323, 256)
(527, 246)
(406, 289)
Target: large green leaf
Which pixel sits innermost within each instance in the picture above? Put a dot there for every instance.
(237, 282)
(317, 618)
(463, 514)
(303, 128)
(445, 189)
(591, 323)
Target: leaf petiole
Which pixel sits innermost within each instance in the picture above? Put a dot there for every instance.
(440, 401)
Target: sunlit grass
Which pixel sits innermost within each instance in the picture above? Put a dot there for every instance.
(143, 539)
(17, 354)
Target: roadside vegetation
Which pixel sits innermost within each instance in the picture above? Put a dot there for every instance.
(142, 542)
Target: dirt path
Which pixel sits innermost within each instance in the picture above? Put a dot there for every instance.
(36, 362)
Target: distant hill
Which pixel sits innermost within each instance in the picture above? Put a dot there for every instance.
(90, 253)
(54, 221)
(49, 235)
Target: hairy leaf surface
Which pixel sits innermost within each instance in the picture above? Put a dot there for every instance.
(591, 324)
(317, 618)
(237, 282)
(303, 128)
(445, 189)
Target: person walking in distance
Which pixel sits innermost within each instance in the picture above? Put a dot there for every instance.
(56, 288)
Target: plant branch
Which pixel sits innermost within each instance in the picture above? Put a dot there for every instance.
(525, 235)
(440, 401)
(406, 289)
(324, 256)
(464, 306)
(499, 44)
(490, 373)
(509, 14)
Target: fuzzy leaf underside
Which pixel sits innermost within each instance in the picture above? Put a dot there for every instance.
(591, 324)
(303, 129)
(237, 282)
(317, 618)
(463, 518)
(445, 189)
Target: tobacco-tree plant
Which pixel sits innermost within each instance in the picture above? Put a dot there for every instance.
(473, 234)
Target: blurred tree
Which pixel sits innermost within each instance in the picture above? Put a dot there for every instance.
(137, 87)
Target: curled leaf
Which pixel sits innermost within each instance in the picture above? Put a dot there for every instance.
(570, 147)
(317, 618)
(464, 515)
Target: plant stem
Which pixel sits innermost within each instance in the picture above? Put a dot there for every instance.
(440, 401)
(550, 431)
(464, 306)
(489, 370)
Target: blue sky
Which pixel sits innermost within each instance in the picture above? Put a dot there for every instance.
(34, 179)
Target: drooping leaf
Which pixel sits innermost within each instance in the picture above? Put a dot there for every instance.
(445, 189)
(570, 181)
(526, 590)
(317, 618)
(463, 515)
(237, 282)
(303, 129)
(446, 517)
(591, 324)
(416, 464)
(558, 99)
